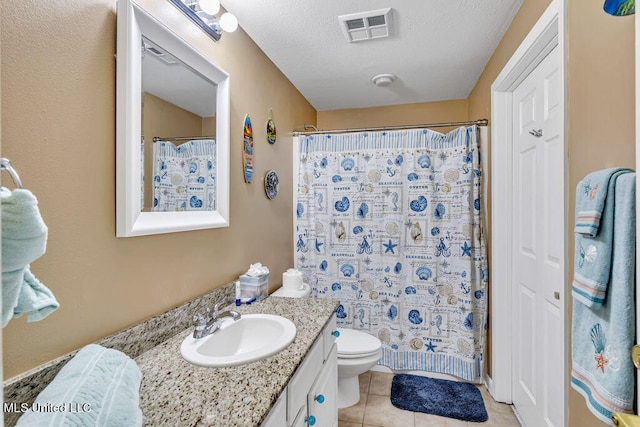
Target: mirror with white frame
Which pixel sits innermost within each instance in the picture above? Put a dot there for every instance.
(170, 100)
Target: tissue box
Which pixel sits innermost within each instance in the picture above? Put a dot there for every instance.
(257, 287)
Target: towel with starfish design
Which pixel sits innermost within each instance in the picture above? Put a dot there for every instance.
(603, 335)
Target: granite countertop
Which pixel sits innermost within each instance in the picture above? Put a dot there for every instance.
(175, 392)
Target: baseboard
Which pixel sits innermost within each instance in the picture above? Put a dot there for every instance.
(491, 387)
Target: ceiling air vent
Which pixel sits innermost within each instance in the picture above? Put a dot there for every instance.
(366, 25)
(157, 52)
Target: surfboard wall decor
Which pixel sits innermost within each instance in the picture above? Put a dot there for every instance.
(247, 151)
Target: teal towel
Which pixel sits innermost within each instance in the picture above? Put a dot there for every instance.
(98, 387)
(603, 335)
(591, 195)
(592, 259)
(24, 239)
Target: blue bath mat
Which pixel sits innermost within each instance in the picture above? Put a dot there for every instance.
(451, 399)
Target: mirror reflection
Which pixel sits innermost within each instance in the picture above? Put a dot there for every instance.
(178, 134)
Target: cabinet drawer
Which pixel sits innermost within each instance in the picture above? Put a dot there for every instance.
(328, 337)
(304, 378)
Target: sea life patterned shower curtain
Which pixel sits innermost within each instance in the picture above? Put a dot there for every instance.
(390, 224)
(184, 176)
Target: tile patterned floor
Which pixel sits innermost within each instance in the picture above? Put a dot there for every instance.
(375, 409)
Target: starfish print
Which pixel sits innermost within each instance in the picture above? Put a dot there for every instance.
(601, 361)
(466, 249)
(389, 247)
(318, 245)
(431, 346)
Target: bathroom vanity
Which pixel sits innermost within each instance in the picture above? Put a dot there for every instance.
(296, 387)
(311, 395)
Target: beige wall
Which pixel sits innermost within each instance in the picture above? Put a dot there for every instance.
(408, 114)
(58, 129)
(601, 113)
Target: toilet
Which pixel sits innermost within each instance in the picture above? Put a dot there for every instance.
(357, 353)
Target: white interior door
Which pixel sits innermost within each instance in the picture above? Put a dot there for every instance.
(538, 378)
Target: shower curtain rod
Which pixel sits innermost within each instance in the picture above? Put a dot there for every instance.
(181, 138)
(481, 122)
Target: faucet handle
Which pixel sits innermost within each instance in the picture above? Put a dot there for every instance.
(216, 310)
(199, 322)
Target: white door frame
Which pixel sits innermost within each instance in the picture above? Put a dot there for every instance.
(637, 62)
(548, 32)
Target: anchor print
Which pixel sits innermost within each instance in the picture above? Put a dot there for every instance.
(388, 282)
(465, 288)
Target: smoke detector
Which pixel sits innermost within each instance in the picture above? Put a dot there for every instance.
(366, 25)
(383, 80)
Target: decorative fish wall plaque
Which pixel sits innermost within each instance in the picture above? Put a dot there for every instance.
(247, 151)
(271, 129)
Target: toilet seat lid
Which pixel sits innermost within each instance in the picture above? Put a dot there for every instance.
(352, 342)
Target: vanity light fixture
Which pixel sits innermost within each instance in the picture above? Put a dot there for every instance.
(203, 13)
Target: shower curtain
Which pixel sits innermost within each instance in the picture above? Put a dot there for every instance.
(390, 224)
(184, 176)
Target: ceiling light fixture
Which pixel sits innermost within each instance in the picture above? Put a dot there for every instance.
(203, 13)
(383, 80)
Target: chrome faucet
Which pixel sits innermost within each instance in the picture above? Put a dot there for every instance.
(210, 322)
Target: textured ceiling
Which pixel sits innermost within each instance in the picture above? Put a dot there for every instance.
(437, 48)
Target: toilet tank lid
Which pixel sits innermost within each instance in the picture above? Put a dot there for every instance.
(355, 342)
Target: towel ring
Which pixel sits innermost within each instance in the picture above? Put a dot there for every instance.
(5, 165)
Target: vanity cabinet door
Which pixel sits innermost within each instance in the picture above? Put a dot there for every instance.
(278, 415)
(322, 401)
(303, 380)
(301, 418)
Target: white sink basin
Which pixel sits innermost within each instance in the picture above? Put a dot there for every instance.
(252, 337)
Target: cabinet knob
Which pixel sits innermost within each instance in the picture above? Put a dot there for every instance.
(311, 420)
(335, 333)
(320, 398)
